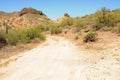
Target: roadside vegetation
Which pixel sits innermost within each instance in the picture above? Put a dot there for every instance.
(103, 20)
(90, 37)
(17, 36)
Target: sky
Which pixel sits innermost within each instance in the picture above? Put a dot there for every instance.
(56, 8)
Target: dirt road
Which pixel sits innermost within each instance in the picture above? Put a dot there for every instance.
(59, 59)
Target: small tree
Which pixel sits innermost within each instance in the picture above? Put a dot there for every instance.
(103, 16)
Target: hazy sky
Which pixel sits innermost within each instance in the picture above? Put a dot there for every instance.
(56, 8)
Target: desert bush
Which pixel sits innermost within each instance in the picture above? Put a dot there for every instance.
(103, 15)
(43, 27)
(90, 37)
(77, 29)
(86, 30)
(116, 29)
(3, 41)
(56, 30)
(17, 36)
(68, 21)
(24, 36)
(106, 28)
(32, 33)
(78, 22)
(97, 26)
(12, 38)
(107, 17)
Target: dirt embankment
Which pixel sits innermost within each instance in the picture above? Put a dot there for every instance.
(60, 59)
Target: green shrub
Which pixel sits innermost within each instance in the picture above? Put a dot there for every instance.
(90, 37)
(118, 28)
(24, 36)
(106, 28)
(77, 29)
(66, 22)
(87, 30)
(97, 26)
(12, 37)
(3, 41)
(16, 36)
(33, 33)
(78, 22)
(55, 30)
(43, 27)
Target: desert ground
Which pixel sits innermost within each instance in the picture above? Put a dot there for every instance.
(61, 59)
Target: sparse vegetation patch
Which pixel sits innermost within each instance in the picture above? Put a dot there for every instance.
(90, 37)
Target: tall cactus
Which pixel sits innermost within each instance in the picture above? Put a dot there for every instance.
(6, 26)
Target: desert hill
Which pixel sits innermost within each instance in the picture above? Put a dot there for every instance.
(22, 19)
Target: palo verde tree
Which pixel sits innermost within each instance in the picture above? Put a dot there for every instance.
(103, 16)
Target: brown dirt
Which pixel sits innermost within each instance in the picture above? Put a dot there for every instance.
(105, 40)
(8, 52)
(60, 59)
(99, 60)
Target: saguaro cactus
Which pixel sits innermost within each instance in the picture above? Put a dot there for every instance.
(6, 26)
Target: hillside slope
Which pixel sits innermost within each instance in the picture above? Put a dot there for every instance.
(27, 17)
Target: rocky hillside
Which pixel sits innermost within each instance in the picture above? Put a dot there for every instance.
(25, 18)
(59, 20)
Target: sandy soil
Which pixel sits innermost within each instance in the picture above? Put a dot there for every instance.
(60, 59)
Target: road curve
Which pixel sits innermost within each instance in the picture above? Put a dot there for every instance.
(60, 59)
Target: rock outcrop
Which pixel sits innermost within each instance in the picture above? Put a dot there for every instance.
(30, 10)
(66, 15)
(25, 18)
